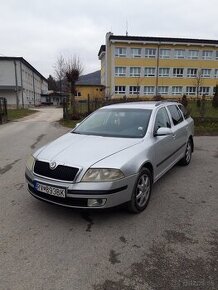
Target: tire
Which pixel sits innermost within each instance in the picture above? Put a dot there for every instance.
(141, 192)
(188, 154)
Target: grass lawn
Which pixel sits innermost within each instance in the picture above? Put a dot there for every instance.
(205, 126)
(210, 111)
(69, 123)
(14, 114)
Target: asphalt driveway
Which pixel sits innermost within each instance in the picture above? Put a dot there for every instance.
(172, 245)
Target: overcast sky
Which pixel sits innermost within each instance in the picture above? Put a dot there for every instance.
(40, 30)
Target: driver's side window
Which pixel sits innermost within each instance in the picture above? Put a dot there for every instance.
(162, 120)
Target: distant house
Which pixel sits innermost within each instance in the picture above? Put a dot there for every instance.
(90, 86)
(20, 83)
(53, 98)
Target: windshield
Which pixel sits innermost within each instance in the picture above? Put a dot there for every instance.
(126, 123)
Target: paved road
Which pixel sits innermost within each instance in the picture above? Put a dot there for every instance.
(172, 245)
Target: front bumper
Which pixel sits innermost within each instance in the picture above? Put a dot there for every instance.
(78, 194)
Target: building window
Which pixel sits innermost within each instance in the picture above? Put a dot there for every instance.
(178, 72)
(164, 72)
(163, 90)
(191, 91)
(120, 90)
(150, 52)
(216, 73)
(164, 53)
(149, 72)
(135, 71)
(176, 90)
(120, 51)
(179, 53)
(204, 91)
(120, 71)
(193, 54)
(192, 72)
(149, 90)
(136, 52)
(134, 90)
(206, 73)
(207, 54)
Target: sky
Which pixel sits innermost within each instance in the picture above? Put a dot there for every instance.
(42, 30)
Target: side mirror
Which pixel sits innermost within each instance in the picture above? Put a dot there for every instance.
(163, 132)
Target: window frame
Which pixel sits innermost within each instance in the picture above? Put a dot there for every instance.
(120, 54)
(119, 74)
(118, 91)
(179, 113)
(136, 55)
(150, 55)
(149, 93)
(168, 117)
(164, 56)
(149, 74)
(132, 74)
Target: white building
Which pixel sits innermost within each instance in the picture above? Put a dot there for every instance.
(20, 83)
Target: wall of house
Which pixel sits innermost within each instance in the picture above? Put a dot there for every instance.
(94, 92)
(167, 83)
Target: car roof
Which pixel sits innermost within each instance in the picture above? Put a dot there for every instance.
(139, 105)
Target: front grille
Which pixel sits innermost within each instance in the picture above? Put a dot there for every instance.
(61, 172)
(67, 201)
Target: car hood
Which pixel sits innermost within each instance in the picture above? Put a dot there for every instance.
(83, 150)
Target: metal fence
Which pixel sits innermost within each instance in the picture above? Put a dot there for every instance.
(3, 111)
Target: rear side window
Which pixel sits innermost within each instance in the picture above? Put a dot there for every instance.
(184, 111)
(175, 114)
(162, 120)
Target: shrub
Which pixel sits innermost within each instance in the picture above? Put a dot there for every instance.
(184, 101)
(215, 98)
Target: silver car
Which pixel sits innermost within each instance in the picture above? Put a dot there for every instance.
(113, 157)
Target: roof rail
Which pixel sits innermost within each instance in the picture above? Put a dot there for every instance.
(164, 101)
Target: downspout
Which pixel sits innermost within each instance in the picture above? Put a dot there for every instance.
(157, 69)
(16, 90)
(21, 78)
(34, 91)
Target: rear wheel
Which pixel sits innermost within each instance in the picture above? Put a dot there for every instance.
(141, 192)
(188, 154)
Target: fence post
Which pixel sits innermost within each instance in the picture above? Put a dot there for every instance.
(88, 104)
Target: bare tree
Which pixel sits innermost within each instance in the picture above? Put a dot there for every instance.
(73, 70)
(60, 69)
(198, 83)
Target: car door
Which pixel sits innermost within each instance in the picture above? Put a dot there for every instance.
(179, 130)
(164, 146)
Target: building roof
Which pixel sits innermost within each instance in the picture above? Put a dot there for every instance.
(12, 58)
(102, 49)
(163, 39)
(92, 79)
(157, 39)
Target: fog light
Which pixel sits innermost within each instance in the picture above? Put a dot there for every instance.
(94, 202)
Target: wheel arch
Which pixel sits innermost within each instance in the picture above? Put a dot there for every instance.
(192, 142)
(149, 166)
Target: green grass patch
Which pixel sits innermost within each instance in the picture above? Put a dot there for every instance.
(69, 123)
(14, 114)
(209, 110)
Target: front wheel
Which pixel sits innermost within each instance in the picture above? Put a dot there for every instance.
(141, 192)
(188, 154)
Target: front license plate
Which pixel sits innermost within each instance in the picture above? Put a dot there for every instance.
(51, 190)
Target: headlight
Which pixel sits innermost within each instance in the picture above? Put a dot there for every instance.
(100, 175)
(30, 162)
